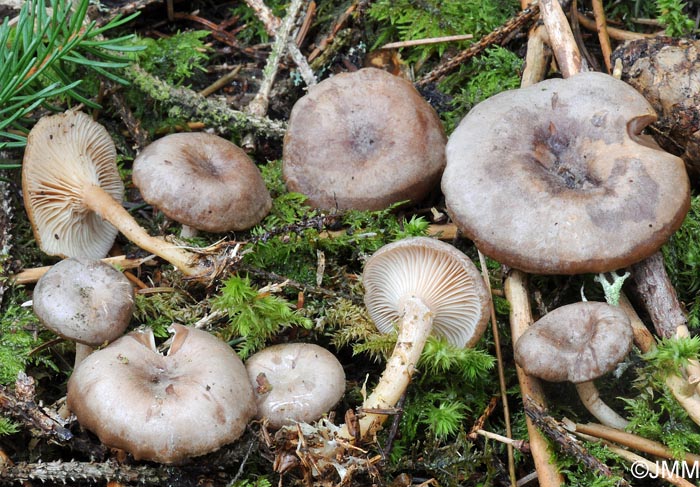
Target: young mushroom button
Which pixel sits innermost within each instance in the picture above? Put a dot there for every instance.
(86, 301)
(363, 140)
(295, 382)
(578, 343)
(202, 181)
(165, 409)
(72, 193)
(555, 178)
(422, 285)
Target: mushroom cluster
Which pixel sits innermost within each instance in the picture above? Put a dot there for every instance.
(163, 408)
(363, 140)
(555, 178)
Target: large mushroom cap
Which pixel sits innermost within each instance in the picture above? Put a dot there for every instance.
(160, 408)
(363, 140)
(84, 300)
(202, 180)
(295, 382)
(553, 178)
(436, 273)
(577, 343)
(64, 153)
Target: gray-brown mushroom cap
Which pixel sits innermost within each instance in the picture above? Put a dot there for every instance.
(553, 178)
(363, 140)
(202, 180)
(577, 343)
(166, 409)
(84, 300)
(295, 382)
(65, 153)
(441, 276)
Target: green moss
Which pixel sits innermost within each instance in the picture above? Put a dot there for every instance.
(175, 58)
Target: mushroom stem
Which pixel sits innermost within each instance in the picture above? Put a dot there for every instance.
(81, 352)
(414, 329)
(99, 201)
(590, 397)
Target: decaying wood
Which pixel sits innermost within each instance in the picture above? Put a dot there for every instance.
(603, 36)
(613, 33)
(498, 36)
(189, 104)
(561, 38)
(63, 472)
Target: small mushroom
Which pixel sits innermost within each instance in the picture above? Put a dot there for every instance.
(578, 343)
(363, 140)
(555, 178)
(86, 301)
(163, 408)
(72, 193)
(295, 382)
(203, 181)
(421, 285)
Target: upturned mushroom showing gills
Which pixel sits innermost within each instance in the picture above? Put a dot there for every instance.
(86, 301)
(165, 409)
(363, 141)
(72, 193)
(554, 178)
(295, 382)
(421, 285)
(202, 181)
(578, 343)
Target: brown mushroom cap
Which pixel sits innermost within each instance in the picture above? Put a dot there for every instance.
(553, 178)
(84, 300)
(363, 140)
(439, 275)
(577, 343)
(65, 153)
(295, 382)
(163, 408)
(202, 180)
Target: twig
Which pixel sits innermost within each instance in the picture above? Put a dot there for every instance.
(30, 276)
(613, 33)
(628, 439)
(337, 27)
(603, 36)
(520, 445)
(258, 106)
(561, 39)
(524, 18)
(481, 421)
(95, 472)
(20, 404)
(221, 82)
(429, 40)
(651, 467)
(515, 286)
(501, 373)
(189, 104)
(564, 440)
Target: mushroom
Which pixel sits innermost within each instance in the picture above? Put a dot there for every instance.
(86, 301)
(72, 193)
(420, 285)
(295, 382)
(578, 343)
(363, 140)
(554, 178)
(203, 181)
(163, 408)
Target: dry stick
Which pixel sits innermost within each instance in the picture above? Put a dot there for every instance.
(630, 440)
(430, 40)
(613, 33)
(520, 445)
(603, 36)
(258, 106)
(679, 387)
(525, 17)
(537, 56)
(652, 467)
(561, 38)
(566, 442)
(30, 276)
(515, 287)
(189, 104)
(501, 374)
(272, 23)
(221, 82)
(61, 471)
